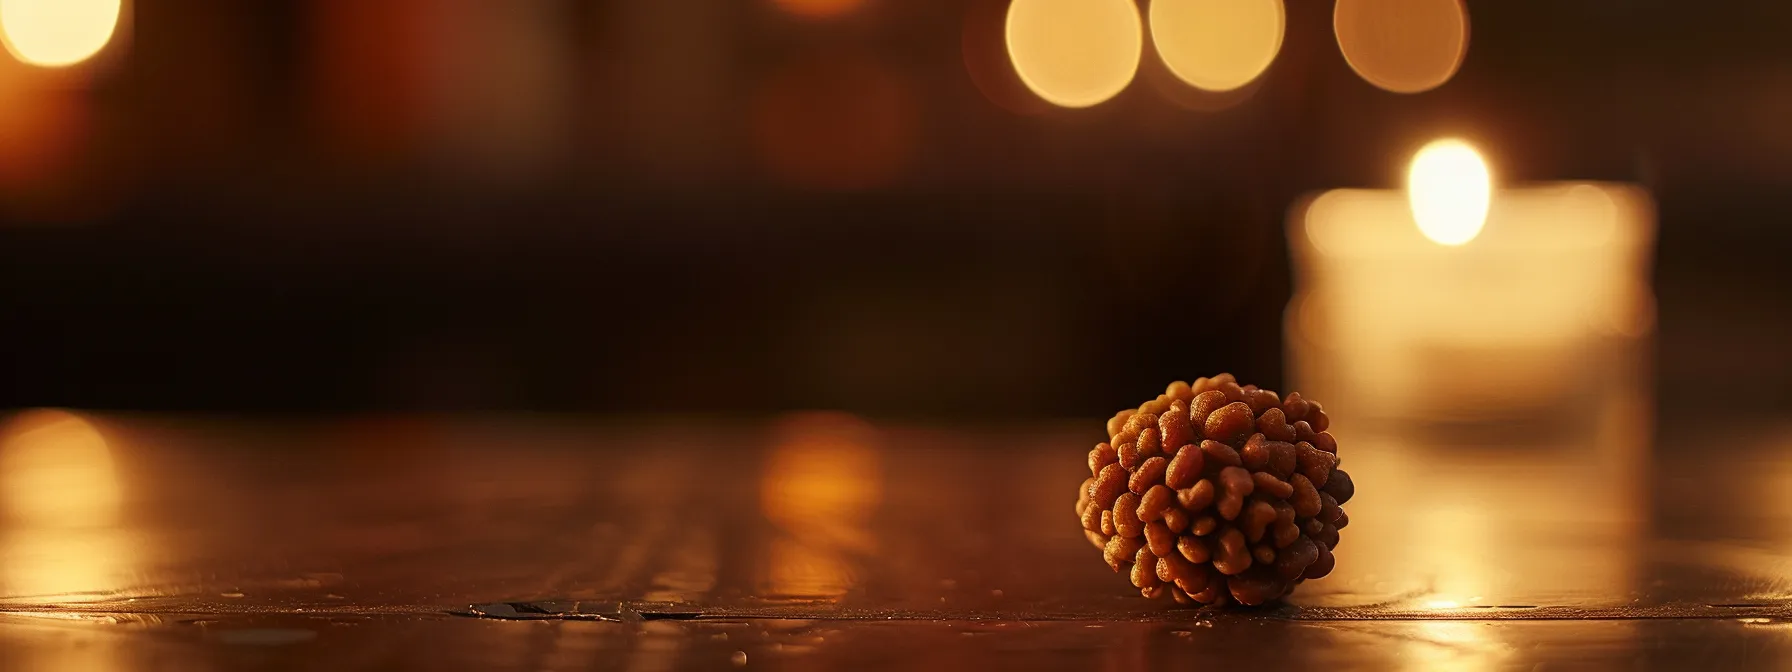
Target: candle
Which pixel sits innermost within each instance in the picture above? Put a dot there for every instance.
(1452, 300)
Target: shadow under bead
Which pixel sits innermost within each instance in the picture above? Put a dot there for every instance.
(1217, 493)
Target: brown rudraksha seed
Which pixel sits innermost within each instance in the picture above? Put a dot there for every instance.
(1217, 493)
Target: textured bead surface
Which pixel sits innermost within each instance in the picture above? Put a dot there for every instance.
(1217, 493)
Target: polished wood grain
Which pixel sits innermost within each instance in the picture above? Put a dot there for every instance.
(825, 540)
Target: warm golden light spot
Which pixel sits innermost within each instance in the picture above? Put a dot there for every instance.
(56, 469)
(1075, 53)
(1217, 45)
(823, 477)
(1449, 190)
(61, 500)
(822, 482)
(1452, 646)
(58, 565)
(1404, 46)
(799, 570)
(1172, 88)
(819, 9)
(57, 33)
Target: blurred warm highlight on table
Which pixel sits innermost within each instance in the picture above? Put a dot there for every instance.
(773, 533)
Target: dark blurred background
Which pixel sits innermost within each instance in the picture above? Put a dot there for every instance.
(739, 206)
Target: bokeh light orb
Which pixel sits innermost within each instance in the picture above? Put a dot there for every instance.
(1217, 45)
(1075, 53)
(1403, 46)
(57, 33)
(56, 470)
(1450, 190)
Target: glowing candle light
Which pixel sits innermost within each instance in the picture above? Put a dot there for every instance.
(1452, 299)
(1450, 191)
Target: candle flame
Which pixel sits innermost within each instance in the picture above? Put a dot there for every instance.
(1449, 189)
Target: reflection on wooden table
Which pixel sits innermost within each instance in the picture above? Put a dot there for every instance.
(826, 540)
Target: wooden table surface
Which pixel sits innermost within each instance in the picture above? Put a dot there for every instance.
(824, 541)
